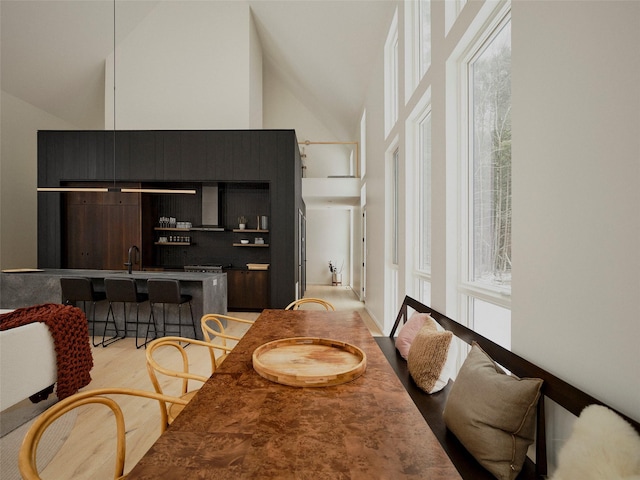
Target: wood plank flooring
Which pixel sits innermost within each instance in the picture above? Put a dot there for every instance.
(88, 453)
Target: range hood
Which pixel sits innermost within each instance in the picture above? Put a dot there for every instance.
(210, 207)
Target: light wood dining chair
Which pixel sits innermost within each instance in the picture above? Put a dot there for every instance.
(172, 409)
(212, 325)
(28, 450)
(296, 304)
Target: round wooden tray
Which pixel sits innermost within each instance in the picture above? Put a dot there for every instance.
(309, 362)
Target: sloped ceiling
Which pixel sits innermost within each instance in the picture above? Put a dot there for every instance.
(53, 52)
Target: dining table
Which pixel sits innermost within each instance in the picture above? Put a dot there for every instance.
(241, 425)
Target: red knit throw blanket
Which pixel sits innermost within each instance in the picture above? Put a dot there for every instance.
(70, 332)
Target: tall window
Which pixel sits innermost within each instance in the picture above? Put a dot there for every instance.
(424, 35)
(424, 179)
(490, 94)
(363, 144)
(417, 28)
(395, 201)
(485, 285)
(391, 52)
(392, 235)
(422, 261)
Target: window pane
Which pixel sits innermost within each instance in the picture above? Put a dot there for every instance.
(424, 169)
(424, 17)
(491, 166)
(393, 82)
(492, 321)
(395, 206)
(394, 291)
(391, 52)
(424, 291)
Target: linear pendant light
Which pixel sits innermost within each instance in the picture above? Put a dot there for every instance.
(72, 189)
(188, 191)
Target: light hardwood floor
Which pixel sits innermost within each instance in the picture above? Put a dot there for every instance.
(88, 453)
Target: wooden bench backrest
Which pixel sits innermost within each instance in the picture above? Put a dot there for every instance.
(554, 388)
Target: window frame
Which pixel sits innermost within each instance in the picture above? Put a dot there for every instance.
(417, 275)
(422, 191)
(393, 223)
(482, 27)
(395, 207)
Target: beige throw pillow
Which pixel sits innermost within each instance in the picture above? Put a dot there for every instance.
(428, 356)
(493, 414)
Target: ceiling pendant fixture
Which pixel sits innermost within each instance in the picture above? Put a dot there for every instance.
(72, 189)
(115, 188)
(188, 191)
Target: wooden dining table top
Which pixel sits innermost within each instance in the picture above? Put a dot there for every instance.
(241, 425)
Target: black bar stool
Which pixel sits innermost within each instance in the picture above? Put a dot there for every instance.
(123, 290)
(80, 289)
(167, 291)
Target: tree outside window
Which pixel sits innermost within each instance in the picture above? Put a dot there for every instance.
(490, 90)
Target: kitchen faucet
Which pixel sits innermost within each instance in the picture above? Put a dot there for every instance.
(131, 261)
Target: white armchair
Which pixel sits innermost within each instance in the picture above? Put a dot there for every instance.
(27, 362)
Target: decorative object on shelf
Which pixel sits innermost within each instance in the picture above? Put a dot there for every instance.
(336, 273)
(167, 222)
(263, 223)
(242, 222)
(258, 241)
(244, 241)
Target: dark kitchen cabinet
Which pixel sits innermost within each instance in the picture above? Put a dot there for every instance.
(84, 245)
(247, 289)
(99, 229)
(258, 171)
(147, 148)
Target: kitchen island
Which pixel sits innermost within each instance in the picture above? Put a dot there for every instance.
(208, 292)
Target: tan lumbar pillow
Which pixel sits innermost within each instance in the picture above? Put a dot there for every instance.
(602, 445)
(493, 414)
(428, 357)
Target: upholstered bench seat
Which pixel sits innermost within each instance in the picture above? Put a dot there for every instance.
(431, 407)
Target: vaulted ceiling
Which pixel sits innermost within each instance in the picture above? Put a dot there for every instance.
(53, 52)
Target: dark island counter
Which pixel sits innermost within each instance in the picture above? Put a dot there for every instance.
(208, 291)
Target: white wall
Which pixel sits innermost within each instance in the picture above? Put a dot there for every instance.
(282, 109)
(255, 77)
(328, 238)
(325, 160)
(576, 183)
(375, 182)
(200, 77)
(18, 179)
